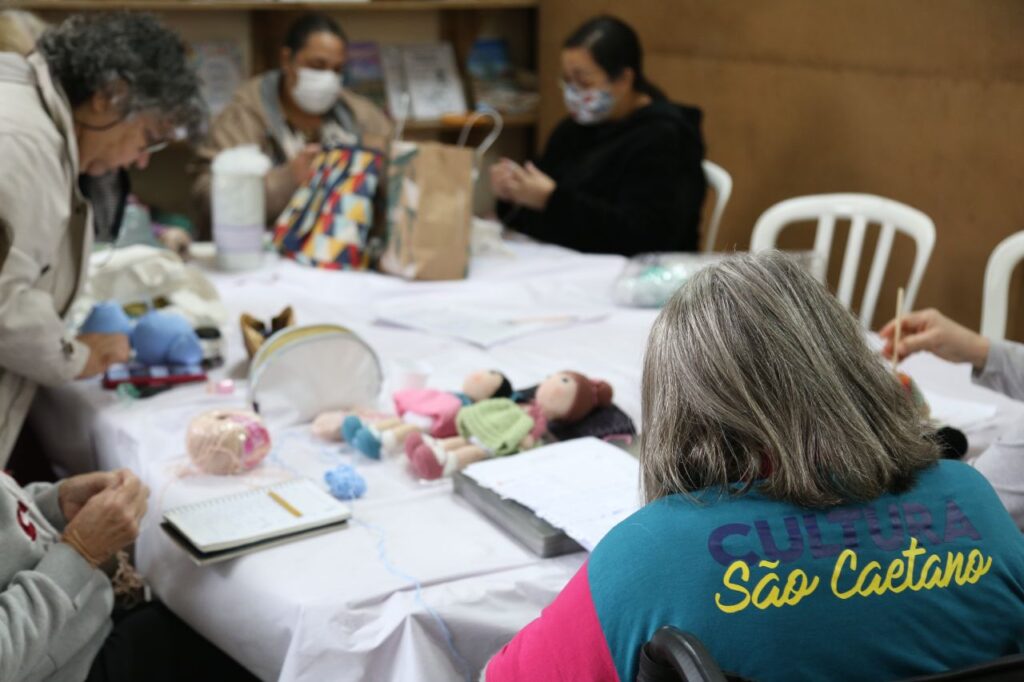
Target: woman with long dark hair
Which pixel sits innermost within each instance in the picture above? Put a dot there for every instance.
(622, 174)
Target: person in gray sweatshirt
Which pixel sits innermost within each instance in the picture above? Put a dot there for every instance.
(996, 364)
(57, 617)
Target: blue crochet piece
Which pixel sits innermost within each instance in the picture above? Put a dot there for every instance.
(345, 482)
(166, 339)
(158, 338)
(107, 317)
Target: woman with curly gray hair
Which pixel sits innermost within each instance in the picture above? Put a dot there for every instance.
(101, 92)
(798, 518)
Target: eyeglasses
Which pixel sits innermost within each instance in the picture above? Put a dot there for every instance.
(154, 147)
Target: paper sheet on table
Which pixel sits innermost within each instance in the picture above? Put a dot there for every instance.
(962, 414)
(484, 326)
(584, 487)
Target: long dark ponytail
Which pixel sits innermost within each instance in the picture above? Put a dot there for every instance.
(615, 47)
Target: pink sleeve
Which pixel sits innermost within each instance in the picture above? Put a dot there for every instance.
(441, 406)
(565, 643)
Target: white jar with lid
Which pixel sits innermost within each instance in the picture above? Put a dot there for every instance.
(237, 207)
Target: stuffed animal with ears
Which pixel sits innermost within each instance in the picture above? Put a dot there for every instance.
(499, 427)
(426, 410)
(158, 338)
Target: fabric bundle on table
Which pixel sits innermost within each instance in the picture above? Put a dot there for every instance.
(327, 224)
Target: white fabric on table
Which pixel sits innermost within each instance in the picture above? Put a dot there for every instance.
(328, 607)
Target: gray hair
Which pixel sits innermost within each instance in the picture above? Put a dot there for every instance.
(755, 372)
(131, 57)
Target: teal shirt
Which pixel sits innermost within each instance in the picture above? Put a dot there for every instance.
(908, 584)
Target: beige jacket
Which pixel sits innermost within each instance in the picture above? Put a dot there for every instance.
(254, 116)
(50, 228)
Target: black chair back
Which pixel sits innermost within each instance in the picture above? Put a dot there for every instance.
(676, 656)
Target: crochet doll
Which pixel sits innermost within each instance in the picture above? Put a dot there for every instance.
(424, 410)
(576, 407)
(563, 401)
(491, 428)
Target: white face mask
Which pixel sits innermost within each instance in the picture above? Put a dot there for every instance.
(316, 90)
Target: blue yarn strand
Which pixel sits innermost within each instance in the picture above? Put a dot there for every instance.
(382, 553)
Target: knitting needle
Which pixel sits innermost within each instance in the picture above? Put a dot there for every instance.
(899, 329)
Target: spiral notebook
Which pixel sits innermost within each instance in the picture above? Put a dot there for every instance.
(225, 527)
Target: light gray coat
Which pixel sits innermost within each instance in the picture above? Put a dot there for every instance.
(49, 227)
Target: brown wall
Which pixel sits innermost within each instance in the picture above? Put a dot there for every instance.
(918, 100)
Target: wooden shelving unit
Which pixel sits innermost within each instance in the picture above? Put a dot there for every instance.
(259, 26)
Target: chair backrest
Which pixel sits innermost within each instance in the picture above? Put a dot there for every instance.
(676, 656)
(861, 210)
(721, 182)
(995, 299)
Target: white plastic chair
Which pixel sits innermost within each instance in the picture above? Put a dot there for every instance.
(860, 210)
(1001, 264)
(721, 182)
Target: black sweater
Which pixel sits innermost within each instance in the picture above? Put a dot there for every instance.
(623, 187)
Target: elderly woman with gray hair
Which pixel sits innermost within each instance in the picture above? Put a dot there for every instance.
(799, 520)
(99, 93)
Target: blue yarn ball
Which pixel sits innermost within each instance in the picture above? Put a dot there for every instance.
(345, 482)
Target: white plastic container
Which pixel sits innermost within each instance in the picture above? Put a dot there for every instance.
(237, 198)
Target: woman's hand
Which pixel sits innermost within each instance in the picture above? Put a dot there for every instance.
(932, 331)
(302, 165)
(75, 491)
(527, 186)
(500, 177)
(104, 350)
(109, 520)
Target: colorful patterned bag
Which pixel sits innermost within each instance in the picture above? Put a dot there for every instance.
(327, 223)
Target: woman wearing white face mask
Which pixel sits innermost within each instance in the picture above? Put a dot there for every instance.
(292, 112)
(623, 173)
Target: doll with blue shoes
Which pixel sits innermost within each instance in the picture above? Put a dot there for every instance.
(421, 410)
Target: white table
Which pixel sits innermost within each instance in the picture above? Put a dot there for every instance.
(341, 606)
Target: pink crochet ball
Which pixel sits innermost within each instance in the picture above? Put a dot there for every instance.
(227, 441)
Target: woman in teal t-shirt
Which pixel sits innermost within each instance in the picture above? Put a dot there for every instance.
(799, 521)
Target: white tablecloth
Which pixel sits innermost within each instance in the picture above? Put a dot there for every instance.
(345, 606)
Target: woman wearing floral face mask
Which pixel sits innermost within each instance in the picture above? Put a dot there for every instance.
(623, 173)
(292, 112)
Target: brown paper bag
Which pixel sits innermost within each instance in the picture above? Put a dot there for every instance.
(430, 211)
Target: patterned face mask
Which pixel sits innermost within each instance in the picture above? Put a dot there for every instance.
(587, 107)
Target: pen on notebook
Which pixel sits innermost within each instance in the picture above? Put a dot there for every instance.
(284, 503)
